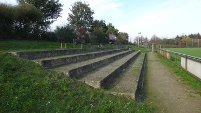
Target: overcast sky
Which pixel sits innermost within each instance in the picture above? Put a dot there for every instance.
(164, 18)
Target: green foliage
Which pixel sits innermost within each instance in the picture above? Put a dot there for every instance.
(51, 9)
(6, 21)
(98, 32)
(27, 87)
(81, 17)
(167, 41)
(66, 33)
(122, 38)
(26, 18)
(112, 30)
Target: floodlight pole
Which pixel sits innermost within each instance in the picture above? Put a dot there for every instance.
(139, 39)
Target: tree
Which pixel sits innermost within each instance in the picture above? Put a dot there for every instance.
(50, 9)
(122, 38)
(99, 23)
(81, 18)
(6, 21)
(26, 17)
(98, 32)
(155, 39)
(65, 33)
(186, 39)
(111, 29)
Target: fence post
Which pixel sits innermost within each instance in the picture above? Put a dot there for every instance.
(175, 58)
(152, 47)
(186, 58)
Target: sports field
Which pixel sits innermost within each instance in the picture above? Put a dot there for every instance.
(189, 51)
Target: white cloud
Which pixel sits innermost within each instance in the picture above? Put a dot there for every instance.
(170, 18)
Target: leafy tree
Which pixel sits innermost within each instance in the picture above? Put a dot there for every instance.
(122, 38)
(65, 33)
(81, 18)
(50, 9)
(185, 39)
(26, 17)
(99, 23)
(6, 21)
(111, 29)
(98, 32)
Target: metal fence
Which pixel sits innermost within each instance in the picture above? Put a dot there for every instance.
(188, 63)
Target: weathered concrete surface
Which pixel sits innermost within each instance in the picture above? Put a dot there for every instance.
(76, 70)
(126, 83)
(102, 77)
(43, 54)
(53, 62)
(191, 66)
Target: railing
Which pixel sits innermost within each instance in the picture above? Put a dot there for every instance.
(140, 80)
(188, 63)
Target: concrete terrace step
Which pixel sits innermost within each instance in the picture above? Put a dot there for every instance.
(76, 70)
(31, 55)
(127, 81)
(68, 59)
(102, 77)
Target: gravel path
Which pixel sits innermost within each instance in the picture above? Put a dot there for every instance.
(167, 92)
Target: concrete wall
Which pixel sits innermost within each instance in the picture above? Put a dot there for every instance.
(103, 83)
(77, 72)
(67, 60)
(190, 63)
(191, 66)
(43, 54)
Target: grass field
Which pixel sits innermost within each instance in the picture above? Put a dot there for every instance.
(189, 51)
(27, 87)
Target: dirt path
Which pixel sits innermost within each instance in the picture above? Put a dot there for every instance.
(167, 92)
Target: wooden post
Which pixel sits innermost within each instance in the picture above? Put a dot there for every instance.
(65, 45)
(61, 45)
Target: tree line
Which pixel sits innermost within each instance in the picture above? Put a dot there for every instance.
(179, 40)
(31, 19)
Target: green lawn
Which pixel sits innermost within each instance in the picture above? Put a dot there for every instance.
(189, 51)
